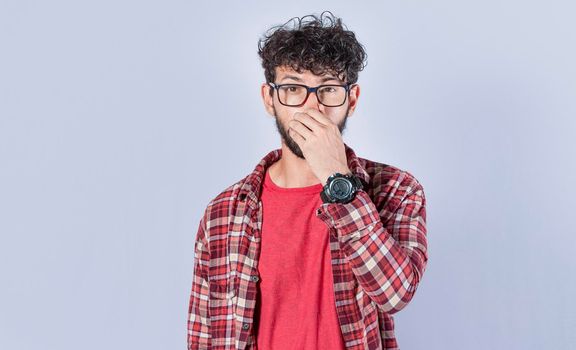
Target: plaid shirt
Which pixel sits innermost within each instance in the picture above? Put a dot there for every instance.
(377, 241)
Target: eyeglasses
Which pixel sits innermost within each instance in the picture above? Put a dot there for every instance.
(296, 94)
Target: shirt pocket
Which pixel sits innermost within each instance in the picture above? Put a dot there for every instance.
(222, 289)
(222, 302)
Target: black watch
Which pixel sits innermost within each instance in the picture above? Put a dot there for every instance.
(340, 188)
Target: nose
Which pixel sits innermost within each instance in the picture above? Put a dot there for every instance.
(312, 102)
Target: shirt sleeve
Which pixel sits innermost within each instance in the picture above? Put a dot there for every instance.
(198, 316)
(387, 258)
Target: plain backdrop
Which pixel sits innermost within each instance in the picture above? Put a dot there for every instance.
(121, 120)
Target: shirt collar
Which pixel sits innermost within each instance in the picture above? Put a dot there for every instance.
(252, 184)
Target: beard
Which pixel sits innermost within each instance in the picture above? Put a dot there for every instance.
(289, 141)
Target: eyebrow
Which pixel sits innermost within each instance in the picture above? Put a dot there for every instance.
(323, 80)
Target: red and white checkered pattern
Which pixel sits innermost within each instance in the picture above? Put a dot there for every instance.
(377, 241)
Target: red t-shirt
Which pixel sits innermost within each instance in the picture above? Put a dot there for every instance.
(295, 308)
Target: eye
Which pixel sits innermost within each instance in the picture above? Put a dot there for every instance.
(292, 89)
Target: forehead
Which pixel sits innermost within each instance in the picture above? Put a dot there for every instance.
(306, 75)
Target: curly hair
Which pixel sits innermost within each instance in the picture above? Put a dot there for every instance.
(312, 45)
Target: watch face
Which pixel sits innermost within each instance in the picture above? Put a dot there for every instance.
(340, 188)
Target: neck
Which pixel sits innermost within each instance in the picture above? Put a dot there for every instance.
(292, 172)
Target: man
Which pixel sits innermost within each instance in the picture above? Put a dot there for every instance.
(317, 247)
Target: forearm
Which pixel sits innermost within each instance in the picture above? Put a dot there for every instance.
(198, 311)
(388, 261)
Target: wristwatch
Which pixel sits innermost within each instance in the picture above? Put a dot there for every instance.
(340, 188)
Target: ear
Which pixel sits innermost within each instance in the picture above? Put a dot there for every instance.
(267, 99)
(353, 95)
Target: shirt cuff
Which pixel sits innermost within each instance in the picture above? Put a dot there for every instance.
(349, 219)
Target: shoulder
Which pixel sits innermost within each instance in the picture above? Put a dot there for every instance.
(219, 207)
(390, 185)
(382, 173)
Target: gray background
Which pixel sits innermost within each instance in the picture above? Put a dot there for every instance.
(120, 120)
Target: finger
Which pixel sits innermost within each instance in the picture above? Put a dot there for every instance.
(296, 136)
(310, 122)
(318, 116)
(300, 128)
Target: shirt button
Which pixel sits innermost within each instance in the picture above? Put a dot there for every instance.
(254, 278)
(318, 212)
(245, 326)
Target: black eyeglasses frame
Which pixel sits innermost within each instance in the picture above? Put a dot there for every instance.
(312, 89)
